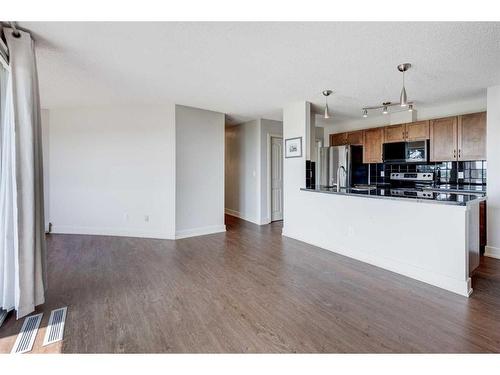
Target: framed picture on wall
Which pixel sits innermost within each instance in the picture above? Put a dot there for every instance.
(293, 147)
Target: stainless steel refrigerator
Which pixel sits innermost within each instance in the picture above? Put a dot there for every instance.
(340, 164)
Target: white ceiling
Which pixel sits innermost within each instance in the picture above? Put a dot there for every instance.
(251, 70)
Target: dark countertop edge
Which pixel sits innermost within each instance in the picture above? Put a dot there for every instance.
(416, 200)
(456, 190)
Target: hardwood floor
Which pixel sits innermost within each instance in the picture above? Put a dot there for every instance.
(251, 290)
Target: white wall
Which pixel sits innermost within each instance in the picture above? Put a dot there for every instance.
(112, 171)
(199, 171)
(243, 170)
(267, 129)
(493, 176)
(296, 120)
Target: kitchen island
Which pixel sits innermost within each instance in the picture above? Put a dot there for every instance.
(434, 240)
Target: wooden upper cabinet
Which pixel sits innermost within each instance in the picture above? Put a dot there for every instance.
(372, 145)
(338, 139)
(414, 131)
(443, 134)
(394, 133)
(472, 136)
(417, 131)
(355, 138)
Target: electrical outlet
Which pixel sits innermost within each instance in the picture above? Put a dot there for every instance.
(461, 175)
(146, 218)
(382, 174)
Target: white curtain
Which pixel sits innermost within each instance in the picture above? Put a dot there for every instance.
(22, 237)
(8, 221)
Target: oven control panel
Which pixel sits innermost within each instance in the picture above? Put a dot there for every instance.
(412, 176)
(412, 193)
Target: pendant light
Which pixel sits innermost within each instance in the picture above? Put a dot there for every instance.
(403, 98)
(327, 93)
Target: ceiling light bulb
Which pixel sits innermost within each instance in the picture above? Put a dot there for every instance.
(385, 110)
(365, 113)
(410, 108)
(403, 99)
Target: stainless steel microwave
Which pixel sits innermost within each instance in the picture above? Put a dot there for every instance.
(406, 152)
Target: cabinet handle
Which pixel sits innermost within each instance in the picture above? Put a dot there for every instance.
(454, 154)
(459, 152)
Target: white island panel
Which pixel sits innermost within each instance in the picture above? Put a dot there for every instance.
(427, 242)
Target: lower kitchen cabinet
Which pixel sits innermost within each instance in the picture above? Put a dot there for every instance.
(482, 226)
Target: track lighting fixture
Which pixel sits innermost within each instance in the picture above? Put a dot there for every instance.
(327, 93)
(403, 97)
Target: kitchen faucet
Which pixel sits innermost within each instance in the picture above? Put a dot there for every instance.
(338, 176)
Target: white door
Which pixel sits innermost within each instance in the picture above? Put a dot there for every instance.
(276, 179)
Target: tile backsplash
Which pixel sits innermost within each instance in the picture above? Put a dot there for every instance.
(310, 174)
(450, 172)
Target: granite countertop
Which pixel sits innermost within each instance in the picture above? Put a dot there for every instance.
(462, 198)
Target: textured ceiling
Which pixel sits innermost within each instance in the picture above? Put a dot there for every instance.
(251, 70)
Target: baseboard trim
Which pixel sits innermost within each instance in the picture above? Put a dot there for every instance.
(462, 287)
(118, 232)
(199, 231)
(237, 214)
(492, 252)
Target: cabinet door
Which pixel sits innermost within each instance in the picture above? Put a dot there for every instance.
(394, 133)
(338, 139)
(355, 138)
(417, 131)
(482, 225)
(472, 136)
(372, 145)
(444, 139)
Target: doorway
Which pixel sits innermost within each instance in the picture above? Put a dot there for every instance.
(276, 179)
